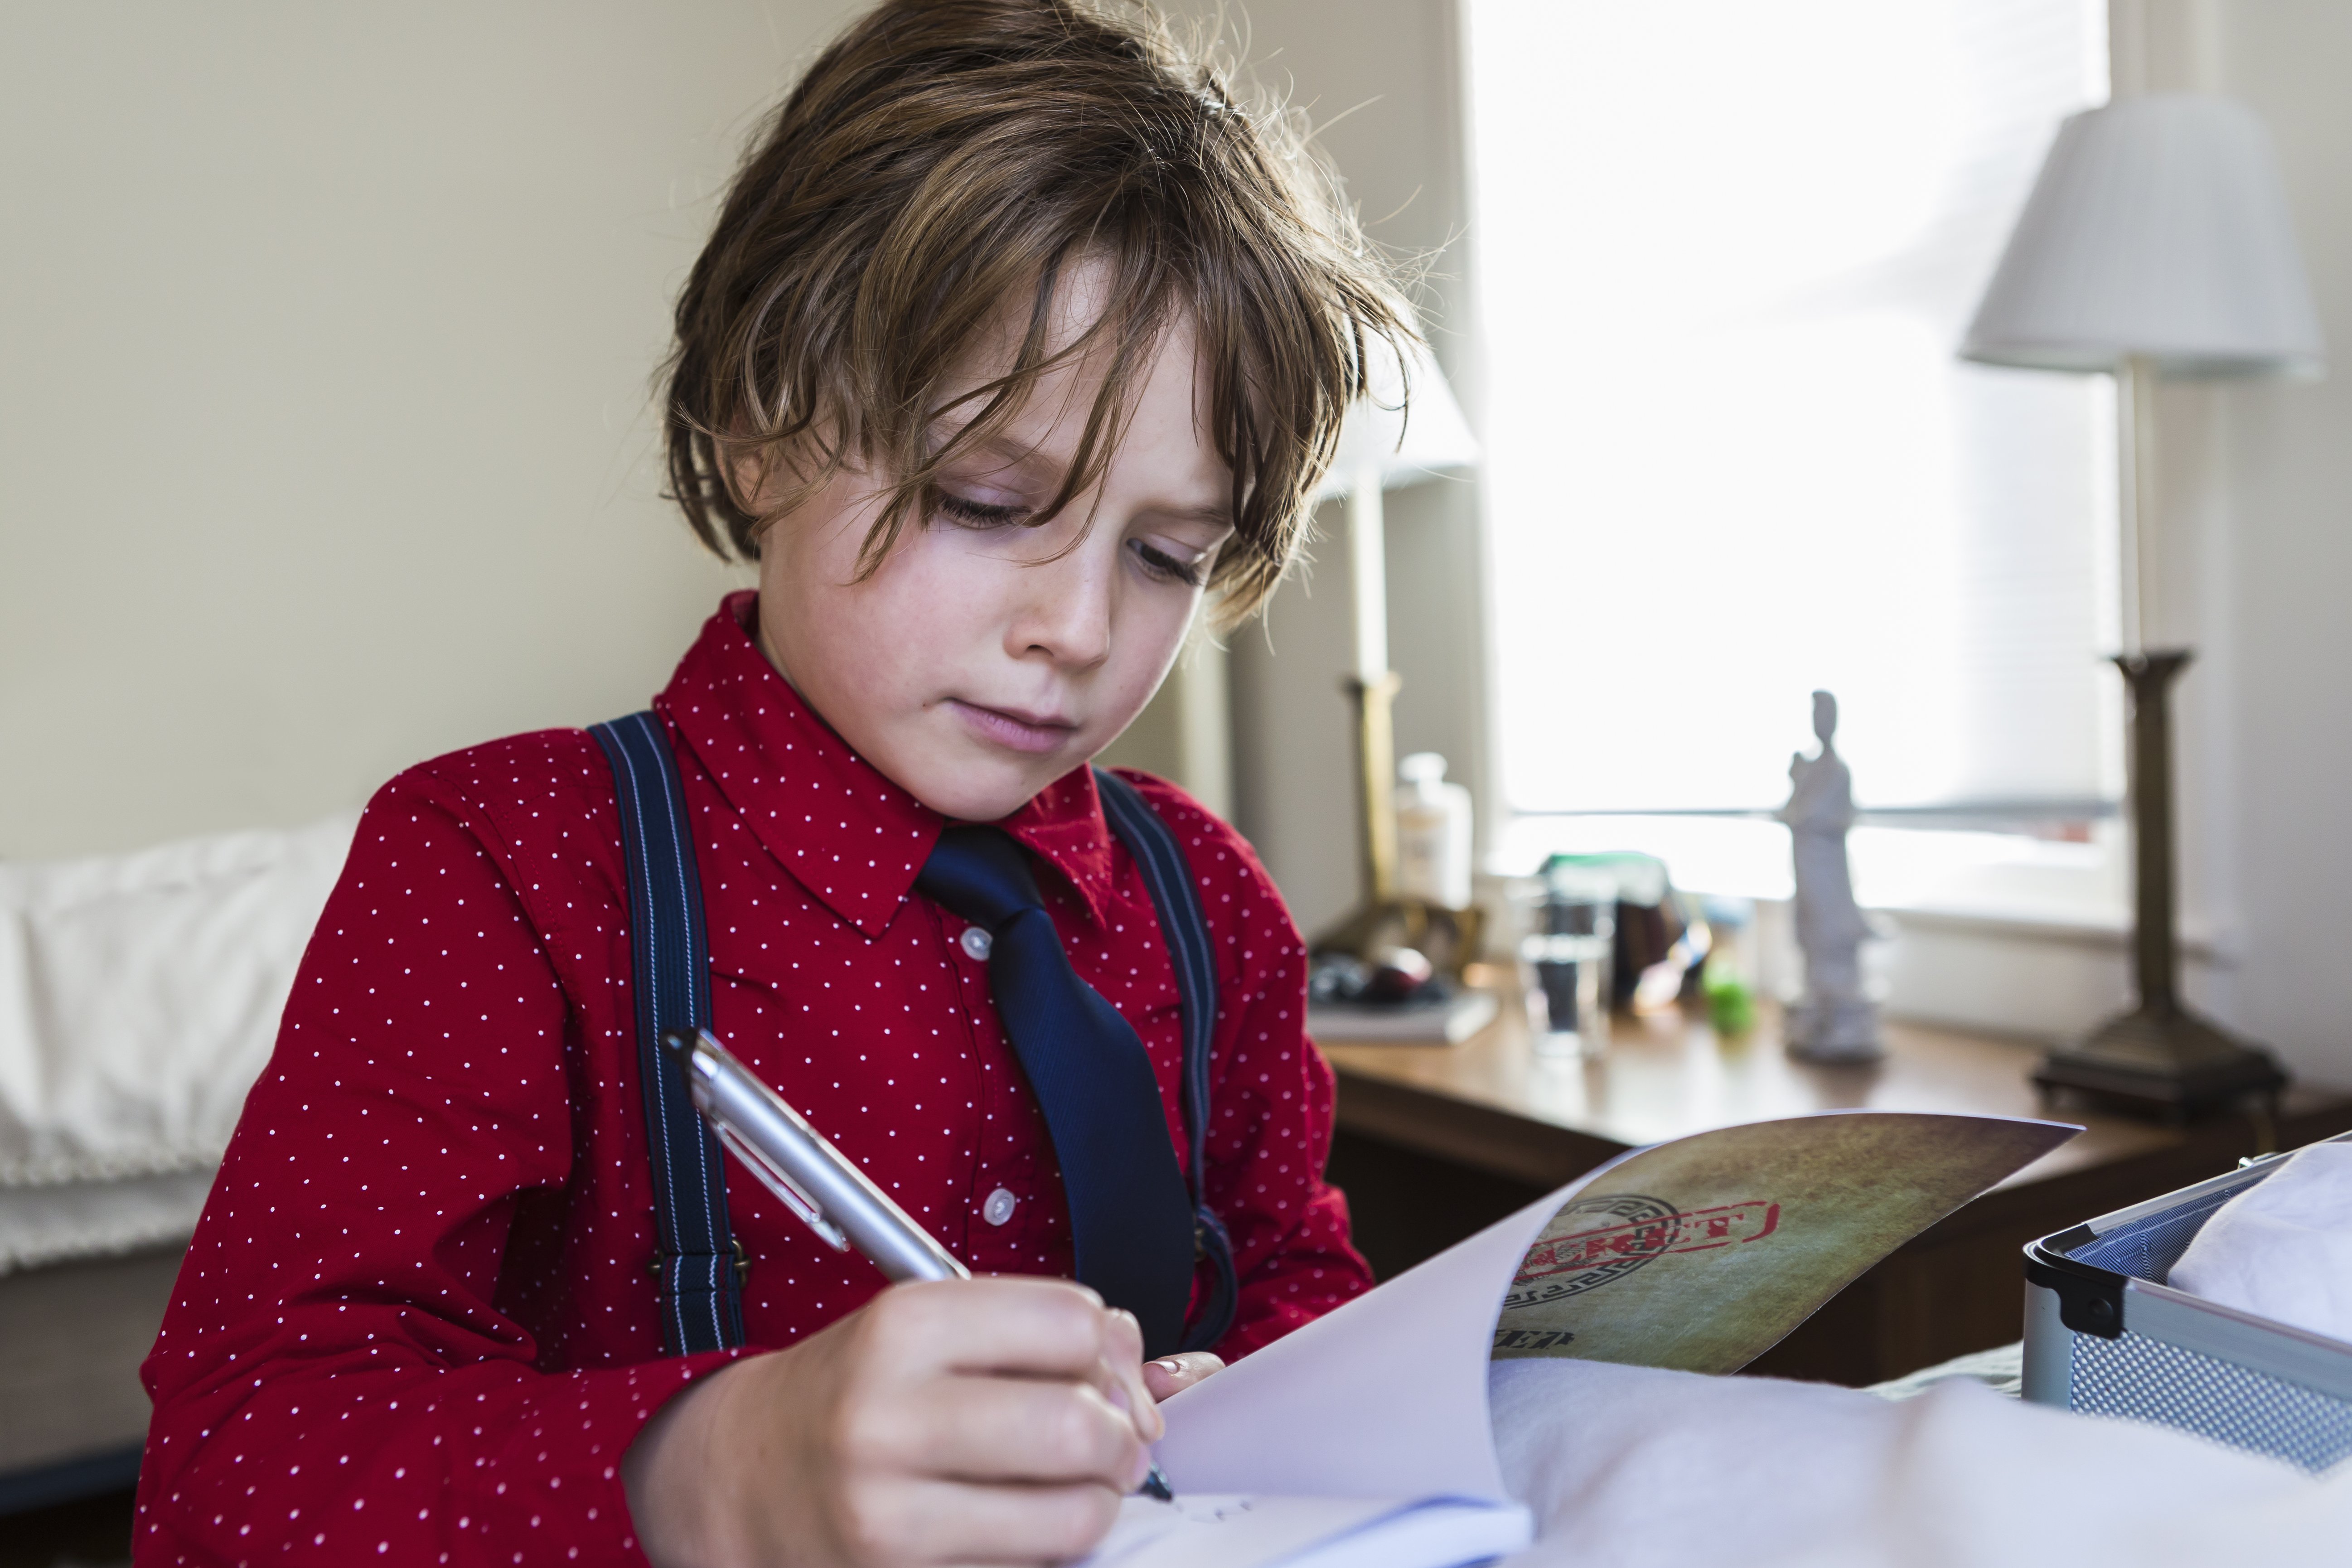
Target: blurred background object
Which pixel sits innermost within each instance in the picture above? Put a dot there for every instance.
(1405, 429)
(2157, 242)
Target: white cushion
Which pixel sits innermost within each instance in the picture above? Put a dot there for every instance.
(62, 1222)
(140, 997)
(2282, 1248)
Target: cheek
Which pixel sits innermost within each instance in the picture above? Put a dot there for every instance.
(894, 638)
(1150, 636)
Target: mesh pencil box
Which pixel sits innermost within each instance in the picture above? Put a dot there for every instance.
(2106, 1336)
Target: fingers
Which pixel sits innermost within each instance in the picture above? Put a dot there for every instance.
(1123, 1365)
(1019, 1327)
(1172, 1375)
(1004, 1326)
(1001, 1431)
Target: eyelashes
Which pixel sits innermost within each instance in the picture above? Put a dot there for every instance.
(1160, 564)
(974, 514)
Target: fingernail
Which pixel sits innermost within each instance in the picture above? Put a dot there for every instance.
(1140, 1469)
(1171, 1366)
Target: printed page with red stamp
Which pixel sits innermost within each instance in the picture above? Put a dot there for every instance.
(1702, 1253)
(1698, 1254)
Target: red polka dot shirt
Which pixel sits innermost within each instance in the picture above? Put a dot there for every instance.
(417, 1323)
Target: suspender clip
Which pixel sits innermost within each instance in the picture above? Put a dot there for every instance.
(743, 1261)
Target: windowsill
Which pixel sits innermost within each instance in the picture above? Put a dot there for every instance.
(1972, 882)
(2098, 931)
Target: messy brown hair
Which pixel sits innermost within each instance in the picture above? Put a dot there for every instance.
(944, 159)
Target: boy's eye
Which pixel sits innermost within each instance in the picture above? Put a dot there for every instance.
(977, 513)
(1160, 564)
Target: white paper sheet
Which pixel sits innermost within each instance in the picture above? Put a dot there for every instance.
(1317, 1413)
(1204, 1531)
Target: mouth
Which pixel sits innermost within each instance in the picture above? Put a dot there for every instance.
(1013, 729)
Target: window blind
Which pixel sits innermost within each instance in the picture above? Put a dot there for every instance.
(1724, 249)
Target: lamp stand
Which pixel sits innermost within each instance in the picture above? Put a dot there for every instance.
(1383, 917)
(2159, 1056)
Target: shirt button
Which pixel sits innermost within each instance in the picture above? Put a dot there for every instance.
(976, 943)
(999, 1206)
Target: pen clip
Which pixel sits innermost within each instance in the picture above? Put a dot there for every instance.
(783, 1186)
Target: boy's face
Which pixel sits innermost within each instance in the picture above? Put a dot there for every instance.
(985, 659)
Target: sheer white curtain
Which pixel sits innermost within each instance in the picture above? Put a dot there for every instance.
(1724, 249)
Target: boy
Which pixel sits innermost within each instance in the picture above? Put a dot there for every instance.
(1013, 340)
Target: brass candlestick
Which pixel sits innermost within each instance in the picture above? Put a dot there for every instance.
(2160, 1056)
(1386, 917)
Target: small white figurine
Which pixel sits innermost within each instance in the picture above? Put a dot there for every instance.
(1834, 1022)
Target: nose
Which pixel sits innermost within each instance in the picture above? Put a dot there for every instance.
(1065, 608)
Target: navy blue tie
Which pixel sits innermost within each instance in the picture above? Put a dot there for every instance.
(1130, 1217)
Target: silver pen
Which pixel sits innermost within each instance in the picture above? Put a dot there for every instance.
(816, 1181)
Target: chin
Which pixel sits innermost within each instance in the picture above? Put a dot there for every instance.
(983, 789)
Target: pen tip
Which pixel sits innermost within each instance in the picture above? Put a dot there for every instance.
(1155, 1485)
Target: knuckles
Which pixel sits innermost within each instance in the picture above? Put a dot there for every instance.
(1079, 1434)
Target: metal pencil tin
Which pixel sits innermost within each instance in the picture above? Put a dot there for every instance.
(2106, 1336)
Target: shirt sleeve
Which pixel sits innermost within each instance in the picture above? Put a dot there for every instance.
(335, 1382)
(1271, 1097)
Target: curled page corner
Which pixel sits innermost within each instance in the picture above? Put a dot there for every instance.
(1383, 1397)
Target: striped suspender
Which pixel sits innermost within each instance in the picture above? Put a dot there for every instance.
(699, 1268)
(1157, 855)
(700, 1290)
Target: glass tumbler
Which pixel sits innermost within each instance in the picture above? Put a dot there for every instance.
(1568, 921)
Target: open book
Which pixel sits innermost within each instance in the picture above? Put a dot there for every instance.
(1363, 1438)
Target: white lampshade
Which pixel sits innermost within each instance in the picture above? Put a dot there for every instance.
(1405, 445)
(2158, 228)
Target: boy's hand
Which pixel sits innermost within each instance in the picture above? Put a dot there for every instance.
(987, 1420)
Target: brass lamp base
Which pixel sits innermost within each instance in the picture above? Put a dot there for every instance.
(2164, 1059)
(2160, 1058)
(1447, 938)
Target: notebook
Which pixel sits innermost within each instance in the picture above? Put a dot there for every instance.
(1364, 1438)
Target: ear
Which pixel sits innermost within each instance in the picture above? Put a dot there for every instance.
(747, 466)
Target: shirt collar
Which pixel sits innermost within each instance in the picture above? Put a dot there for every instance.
(846, 832)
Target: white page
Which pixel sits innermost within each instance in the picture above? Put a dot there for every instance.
(1317, 1413)
(1205, 1532)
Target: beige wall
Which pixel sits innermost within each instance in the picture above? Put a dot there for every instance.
(2263, 540)
(324, 435)
(325, 337)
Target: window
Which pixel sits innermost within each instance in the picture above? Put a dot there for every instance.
(1723, 251)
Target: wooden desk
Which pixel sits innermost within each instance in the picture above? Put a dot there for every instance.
(1435, 1142)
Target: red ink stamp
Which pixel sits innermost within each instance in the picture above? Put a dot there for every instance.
(1635, 1230)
